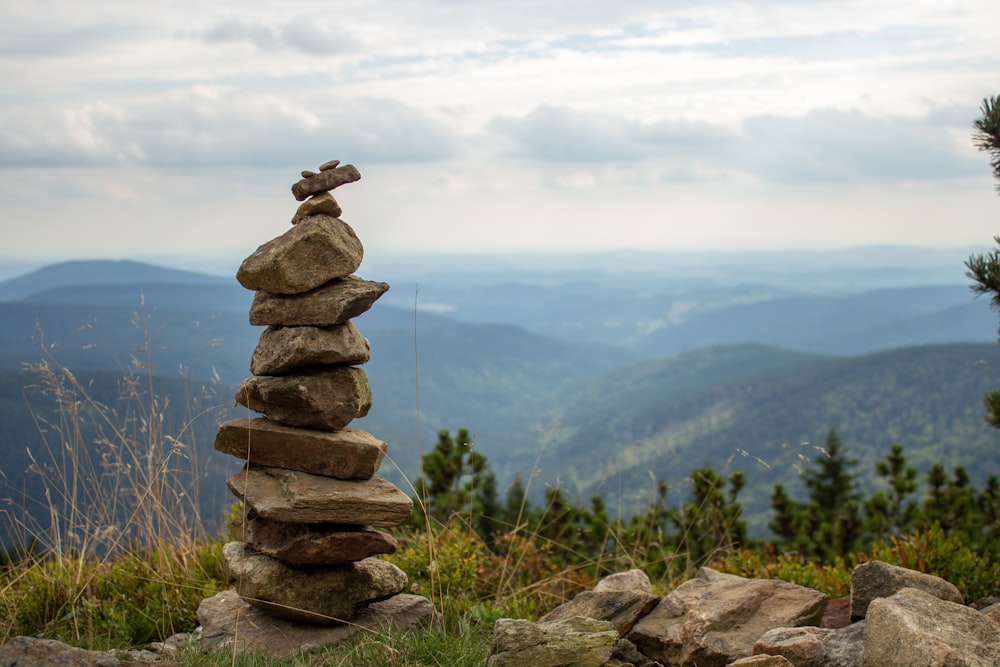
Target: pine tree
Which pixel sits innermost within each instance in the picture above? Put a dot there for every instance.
(893, 513)
(711, 520)
(452, 473)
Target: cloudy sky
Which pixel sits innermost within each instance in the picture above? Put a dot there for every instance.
(155, 129)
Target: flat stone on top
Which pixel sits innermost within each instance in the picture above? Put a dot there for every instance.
(326, 179)
(284, 349)
(327, 399)
(333, 303)
(345, 454)
(298, 497)
(311, 253)
(308, 544)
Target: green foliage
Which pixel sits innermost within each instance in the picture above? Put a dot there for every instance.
(987, 135)
(832, 578)
(456, 479)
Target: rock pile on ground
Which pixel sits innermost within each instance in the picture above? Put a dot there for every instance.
(901, 617)
(305, 549)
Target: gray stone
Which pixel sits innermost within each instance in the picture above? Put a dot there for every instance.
(876, 579)
(316, 595)
(631, 580)
(32, 652)
(311, 253)
(815, 647)
(992, 614)
(619, 608)
(291, 496)
(345, 454)
(918, 629)
(333, 303)
(231, 625)
(306, 544)
(326, 179)
(284, 349)
(327, 166)
(327, 399)
(715, 619)
(762, 661)
(323, 203)
(578, 641)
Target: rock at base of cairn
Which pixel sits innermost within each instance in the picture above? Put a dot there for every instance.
(231, 624)
(312, 544)
(317, 595)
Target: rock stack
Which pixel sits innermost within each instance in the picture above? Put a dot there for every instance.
(305, 545)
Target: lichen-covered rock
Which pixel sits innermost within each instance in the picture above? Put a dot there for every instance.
(332, 303)
(716, 618)
(876, 579)
(918, 629)
(577, 641)
(307, 544)
(297, 497)
(284, 349)
(326, 399)
(33, 652)
(317, 595)
(311, 253)
(345, 454)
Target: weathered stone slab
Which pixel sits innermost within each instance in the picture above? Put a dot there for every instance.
(328, 398)
(33, 652)
(763, 661)
(317, 595)
(918, 629)
(715, 619)
(284, 349)
(311, 253)
(810, 646)
(306, 544)
(230, 624)
(619, 608)
(297, 497)
(876, 579)
(332, 303)
(325, 180)
(578, 641)
(630, 580)
(323, 203)
(345, 454)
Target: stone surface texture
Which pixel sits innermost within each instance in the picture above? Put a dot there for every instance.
(345, 454)
(317, 595)
(876, 579)
(311, 253)
(619, 608)
(329, 304)
(815, 647)
(284, 349)
(578, 641)
(311, 544)
(322, 399)
(763, 661)
(716, 618)
(33, 652)
(630, 580)
(321, 204)
(325, 180)
(229, 623)
(278, 494)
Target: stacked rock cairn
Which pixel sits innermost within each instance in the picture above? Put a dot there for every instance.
(306, 541)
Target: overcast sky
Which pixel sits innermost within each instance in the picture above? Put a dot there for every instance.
(150, 129)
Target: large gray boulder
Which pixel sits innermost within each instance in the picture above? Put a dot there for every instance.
(325, 399)
(716, 618)
(298, 497)
(315, 251)
(231, 625)
(306, 544)
(576, 642)
(876, 579)
(918, 629)
(344, 454)
(317, 595)
(284, 349)
(332, 303)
